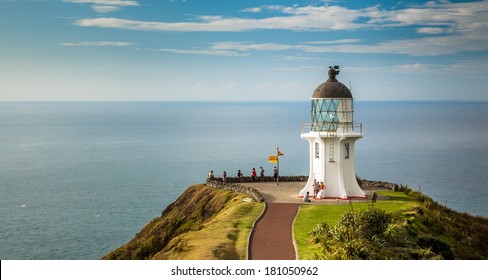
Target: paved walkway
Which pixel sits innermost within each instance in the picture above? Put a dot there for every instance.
(272, 238)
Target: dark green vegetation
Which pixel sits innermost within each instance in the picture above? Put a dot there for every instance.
(425, 231)
(203, 223)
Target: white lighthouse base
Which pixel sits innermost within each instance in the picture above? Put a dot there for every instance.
(332, 162)
(334, 190)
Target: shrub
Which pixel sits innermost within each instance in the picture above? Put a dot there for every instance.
(437, 246)
(355, 236)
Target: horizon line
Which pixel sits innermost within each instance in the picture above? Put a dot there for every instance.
(235, 101)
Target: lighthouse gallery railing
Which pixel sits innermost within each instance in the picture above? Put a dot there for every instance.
(333, 127)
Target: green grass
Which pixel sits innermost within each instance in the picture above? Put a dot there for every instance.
(224, 237)
(311, 215)
(203, 223)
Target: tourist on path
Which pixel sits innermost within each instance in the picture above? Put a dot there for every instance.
(210, 175)
(275, 174)
(253, 175)
(224, 177)
(261, 173)
(306, 198)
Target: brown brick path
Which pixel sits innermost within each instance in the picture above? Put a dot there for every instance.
(272, 238)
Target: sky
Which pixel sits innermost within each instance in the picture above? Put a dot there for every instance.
(209, 50)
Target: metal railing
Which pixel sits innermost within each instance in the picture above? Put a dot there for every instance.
(333, 128)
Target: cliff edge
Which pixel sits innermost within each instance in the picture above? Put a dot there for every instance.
(203, 223)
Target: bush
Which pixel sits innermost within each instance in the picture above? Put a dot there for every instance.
(355, 236)
(437, 246)
(373, 222)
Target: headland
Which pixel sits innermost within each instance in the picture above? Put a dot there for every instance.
(217, 221)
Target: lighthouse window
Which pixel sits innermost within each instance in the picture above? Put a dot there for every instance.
(324, 114)
(317, 152)
(346, 146)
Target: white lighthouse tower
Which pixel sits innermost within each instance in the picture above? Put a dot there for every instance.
(331, 135)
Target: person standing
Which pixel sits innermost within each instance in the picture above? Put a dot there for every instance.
(239, 175)
(224, 177)
(211, 175)
(316, 187)
(275, 174)
(321, 193)
(261, 173)
(253, 175)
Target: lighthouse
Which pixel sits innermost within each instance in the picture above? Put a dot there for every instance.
(331, 135)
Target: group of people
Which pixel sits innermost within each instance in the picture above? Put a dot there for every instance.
(318, 191)
(253, 174)
(224, 175)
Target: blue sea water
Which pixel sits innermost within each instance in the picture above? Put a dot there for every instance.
(79, 179)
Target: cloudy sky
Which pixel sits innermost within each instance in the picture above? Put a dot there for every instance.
(241, 50)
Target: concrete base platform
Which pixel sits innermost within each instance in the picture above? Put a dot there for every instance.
(287, 192)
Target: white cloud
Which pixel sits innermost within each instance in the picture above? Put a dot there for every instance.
(97, 44)
(294, 57)
(429, 46)
(469, 67)
(263, 88)
(208, 89)
(290, 87)
(229, 87)
(447, 28)
(304, 18)
(105, 6)
(203, 52)
(301, 68)
(197, 87)
(342, 41)
(250, 46)
(253, 10)
(428, 18)
(459, 16)
(431, 30)
(106, 2)
(105, 9)
(412, 68)
(285, 90)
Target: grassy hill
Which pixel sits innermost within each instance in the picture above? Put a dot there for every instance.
(203, 223)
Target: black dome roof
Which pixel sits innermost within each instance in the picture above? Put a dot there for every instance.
(332, 88)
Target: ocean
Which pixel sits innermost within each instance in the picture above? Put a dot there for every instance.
(79, 179)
